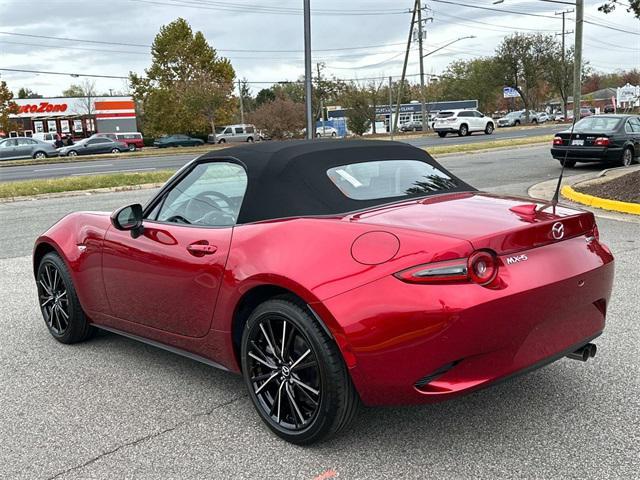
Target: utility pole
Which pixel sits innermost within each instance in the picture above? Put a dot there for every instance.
(404, 67)
(308, 88)
(390, 107)
(564, 61)
(577, 63)
(241, 102)
(421, 53)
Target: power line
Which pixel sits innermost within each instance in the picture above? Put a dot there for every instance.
(100, 42)
(500, 10)
(611, 28)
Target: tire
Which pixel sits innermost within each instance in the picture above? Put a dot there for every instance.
(39, 155)
(329, 400)
(72, 153)
(132, 148)
(115, 150)
(334, 134)
(627, 157)
(221, 141)
(568, 163)
(516, 123)
(534, 122)
(63, 316)
(318, 135)
(249, 139)
(442, 134)
(464, 130)
(489, 128)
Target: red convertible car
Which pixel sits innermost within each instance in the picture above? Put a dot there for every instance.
(332, 274)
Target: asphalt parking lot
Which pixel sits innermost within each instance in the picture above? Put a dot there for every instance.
(114, 408)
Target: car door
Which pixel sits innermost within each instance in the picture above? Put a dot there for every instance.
(24, 148)
(478, 121)
(7, 149)
(168, 278)
(634, 126)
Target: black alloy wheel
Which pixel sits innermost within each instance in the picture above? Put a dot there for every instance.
(59, 303)
(295, 375)
(627, 157)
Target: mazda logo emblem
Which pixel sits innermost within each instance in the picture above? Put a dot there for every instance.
(286, 371)
(557, 230)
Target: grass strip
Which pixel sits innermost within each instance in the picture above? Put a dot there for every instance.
(23, 188)
(479, 146)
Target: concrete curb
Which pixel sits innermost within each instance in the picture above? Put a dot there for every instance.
(75, 193)
(597, 202)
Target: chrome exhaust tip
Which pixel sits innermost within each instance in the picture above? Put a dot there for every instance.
(584, 353)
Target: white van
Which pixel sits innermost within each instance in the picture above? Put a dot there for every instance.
(234, 133)
(46, 137)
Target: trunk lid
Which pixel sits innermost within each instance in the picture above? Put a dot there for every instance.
(500, 223)
(581, 139)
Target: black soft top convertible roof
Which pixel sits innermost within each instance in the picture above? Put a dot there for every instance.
(289, 179)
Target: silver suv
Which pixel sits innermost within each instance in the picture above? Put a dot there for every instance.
(234, 133)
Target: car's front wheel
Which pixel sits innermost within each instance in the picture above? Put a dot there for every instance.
(115, 150)
(489, 128)
(72, 153)
(295, 374)
(59, 302)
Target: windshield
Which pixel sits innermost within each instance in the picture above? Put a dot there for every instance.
(389, 178)
(513, 115)
(598, 124)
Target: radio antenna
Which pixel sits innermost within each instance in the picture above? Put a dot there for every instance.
(556, 195)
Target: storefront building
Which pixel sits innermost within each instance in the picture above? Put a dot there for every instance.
(78, 116)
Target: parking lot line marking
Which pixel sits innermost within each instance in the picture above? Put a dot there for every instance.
(71, 168)
(112, 171)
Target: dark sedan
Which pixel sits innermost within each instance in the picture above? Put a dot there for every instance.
(93, 146)
(177, 141)
(600, 138)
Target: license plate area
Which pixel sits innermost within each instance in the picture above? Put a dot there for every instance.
(578, 143)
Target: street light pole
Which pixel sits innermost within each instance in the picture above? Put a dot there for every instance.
(308, 88)
(423, 107)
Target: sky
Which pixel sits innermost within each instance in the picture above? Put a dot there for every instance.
(355, 39)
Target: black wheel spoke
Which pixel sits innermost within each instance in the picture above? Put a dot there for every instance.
(53, 299)
(284, 372)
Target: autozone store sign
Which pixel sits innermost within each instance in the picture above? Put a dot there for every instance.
(42, 107)
(101, 107)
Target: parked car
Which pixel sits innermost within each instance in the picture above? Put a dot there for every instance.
(543, 117)
(326, 131)
(45, 137)
(23, 147)
(414, 126)
(599, 138)
(513, 119)
(609, 108)
(177, 141)
(234, 133)
(294, 276)
(558, 117)
(462, 122)
(134, 140)
(93, 146)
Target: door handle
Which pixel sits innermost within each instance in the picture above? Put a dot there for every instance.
(201, 249)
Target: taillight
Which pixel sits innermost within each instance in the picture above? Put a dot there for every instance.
(601, 142)
(481, 268)
(557, 141)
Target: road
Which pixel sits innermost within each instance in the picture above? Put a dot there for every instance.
(142, 164)
(114, 408)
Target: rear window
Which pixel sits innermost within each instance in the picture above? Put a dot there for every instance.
(598, 124)
(129, 136)
(389, 178)
(445, 114)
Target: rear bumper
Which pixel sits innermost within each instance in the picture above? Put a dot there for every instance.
(422, 344)
(587, 154)
(451, 129)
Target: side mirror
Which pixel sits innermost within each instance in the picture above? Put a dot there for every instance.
(128, 218)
